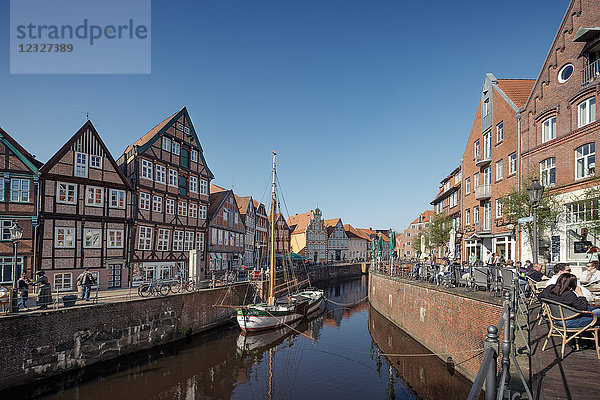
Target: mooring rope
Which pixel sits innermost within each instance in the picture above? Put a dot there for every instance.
(347, 304)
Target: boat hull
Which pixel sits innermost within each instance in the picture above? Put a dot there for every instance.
(260, 317)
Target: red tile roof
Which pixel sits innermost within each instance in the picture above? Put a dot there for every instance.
(351, 231)
(141, 141)
(243, 203)
(300, 221)
(331, 222)
(215, 188)
(516, 89)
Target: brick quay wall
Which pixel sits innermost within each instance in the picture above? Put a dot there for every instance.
(449, 322)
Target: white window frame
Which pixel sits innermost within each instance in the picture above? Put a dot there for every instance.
(68, 231)
(188, 243)
(94, 202)
(22, 190)
(193, 210)
(117, 198)
(468, 185)
(93, 159)
(145, 238)
(145, 200)
(585, 160)
(182, 208)
(80, 164)
(176, 148)
(161, 174)
(193, 184)
(512, 163)
(499, 169)
(91, 234)
(166, 144)
(476, 215)
(499, 206)
(63, 281)
(476, 149)
(586, 112)
(200, 241)
(203, 186)
(549, 129)
(202, 211)
(163, 240)
(170, 206)
(68, 187)
(468, 216)
(194, 155)
(178, 241)
(173, 177)
(146, 171)
(115, 238)
(546, 167)
(500, 132)
(157, 204)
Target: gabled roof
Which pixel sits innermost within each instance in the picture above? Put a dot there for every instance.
(426, 215)
(23, 155)
(67, 147)
(216, 200)
(351, 231)
(300, 221)
(516, 89)
(149, 138)
(332, 222)
(243, 203)
(214, 188)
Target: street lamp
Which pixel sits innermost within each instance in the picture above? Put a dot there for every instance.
(16, 233)
(535, 192)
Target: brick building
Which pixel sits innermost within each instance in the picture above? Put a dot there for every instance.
(309, 236)
(411, 233)
(248, 213)
(282, 236)
(490, 168)
(227, 230)
(448, 203)
(337, 240)
(261, 238)
(19, 202)
(167, 169)
(358, 243)
(560, 131)
(85, 214)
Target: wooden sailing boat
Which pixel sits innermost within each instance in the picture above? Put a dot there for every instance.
(283, 311)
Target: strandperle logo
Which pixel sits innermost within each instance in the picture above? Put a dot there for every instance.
(83, 31)
(80, 37)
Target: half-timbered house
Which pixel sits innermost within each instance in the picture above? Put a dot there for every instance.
(261, 236)
(85, 214)
(248, 213)
(170, 177)
(18, 200)
(227, 230)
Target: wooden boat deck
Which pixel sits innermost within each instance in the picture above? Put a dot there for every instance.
(576, 376)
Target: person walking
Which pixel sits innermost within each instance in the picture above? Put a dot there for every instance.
(23, 287)
(85, 281)
(45, 295)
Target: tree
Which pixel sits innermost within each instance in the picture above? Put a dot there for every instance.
(588, 206)
(439, 230)
(516, 205)
(416, 243)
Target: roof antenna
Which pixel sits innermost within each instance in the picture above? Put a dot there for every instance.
(87, 116)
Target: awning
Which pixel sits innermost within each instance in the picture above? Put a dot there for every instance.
(586, 34)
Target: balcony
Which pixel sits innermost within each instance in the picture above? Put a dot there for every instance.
(590, 73)
(483, 159)
(483, 226)
(483, 192)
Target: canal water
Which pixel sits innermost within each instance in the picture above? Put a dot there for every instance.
(346, 352)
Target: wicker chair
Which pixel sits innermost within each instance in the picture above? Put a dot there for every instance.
(558, 314)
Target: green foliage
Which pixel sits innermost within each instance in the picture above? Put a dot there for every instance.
(589, 203)
(439, 230)
(416, 242)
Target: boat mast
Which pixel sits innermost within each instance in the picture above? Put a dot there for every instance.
(272, 241)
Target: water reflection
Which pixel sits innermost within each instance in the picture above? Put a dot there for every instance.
(333, 355)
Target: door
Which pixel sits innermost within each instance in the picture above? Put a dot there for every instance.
(114, 275)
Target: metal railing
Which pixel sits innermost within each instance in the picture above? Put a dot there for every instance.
(590, 72)
(483, 192)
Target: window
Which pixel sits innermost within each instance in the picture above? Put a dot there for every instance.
(499, 208)
(5, 225)
(586, 112)
(6, 264)
(63, 281)
(145, 238)
(144, 201)
(193, 184)
(170, 206)
(194, 155)
(117, 198)
(203, 186)
(585, 160)
(115, 239)
(67, 193)
(157, 204)
(92, 238)
(548, 172)
(225, 214)
(487, 145)
(173, 177)
(147, 169)
(178, 241)
(235, 217)
(565, 73)
(487, 176)
(214, 236)
(189, 241)
(202, 212)
(1, 189)
(176, 148)
(468, 185)
(486, 107)
(220, 236)
(19, 190)
(583, 211)
(512, 163)
(161, 174)
(476, 215)
(81, 165)
(96, 162)
(476, 149)
(548, 129)
(200, 241)
(179, 126)
(499, 168)
(453, 199)
(166, 144)
(94, 196)
(468, 216)
(163, 240)
(182, 208)
(193, 212)
(500, 132)
(65, 237)
(226, 238)
(476, 181)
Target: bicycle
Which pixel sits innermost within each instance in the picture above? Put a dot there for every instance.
(153, 288)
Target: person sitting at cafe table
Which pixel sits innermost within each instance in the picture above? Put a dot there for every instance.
(567, 292)
(536, 273)
(562, 268)
(591, 275)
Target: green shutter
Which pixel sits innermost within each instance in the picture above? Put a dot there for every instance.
(184, 158)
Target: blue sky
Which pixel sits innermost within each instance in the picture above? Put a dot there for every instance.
(368, 103)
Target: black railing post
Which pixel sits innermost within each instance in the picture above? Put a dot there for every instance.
(491, 340)
(507, 336)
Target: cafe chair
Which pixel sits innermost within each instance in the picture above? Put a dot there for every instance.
(558, 314)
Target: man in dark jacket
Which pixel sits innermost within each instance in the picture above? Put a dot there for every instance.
(85, 281)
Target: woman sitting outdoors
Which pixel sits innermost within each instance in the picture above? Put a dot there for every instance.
(566, 292)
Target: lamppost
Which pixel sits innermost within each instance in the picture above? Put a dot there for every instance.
(535, 192)
(16, 233)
